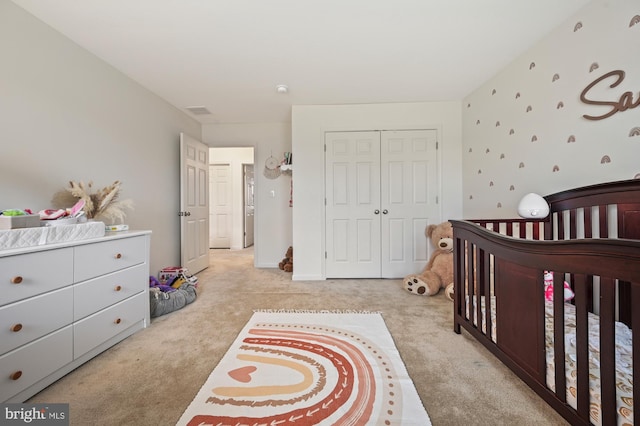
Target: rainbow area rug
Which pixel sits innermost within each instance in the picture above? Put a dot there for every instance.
(309, 368)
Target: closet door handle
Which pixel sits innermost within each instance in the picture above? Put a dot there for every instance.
(385, 211)
(376, 211)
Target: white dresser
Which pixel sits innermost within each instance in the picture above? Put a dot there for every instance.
(63, 304)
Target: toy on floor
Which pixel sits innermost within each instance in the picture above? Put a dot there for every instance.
(439, 271)
(287, 263)
(164, 298)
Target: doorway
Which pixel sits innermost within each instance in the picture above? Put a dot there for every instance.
(228, 197)
(249, 206)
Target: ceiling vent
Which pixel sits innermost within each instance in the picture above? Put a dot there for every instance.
(198, 110)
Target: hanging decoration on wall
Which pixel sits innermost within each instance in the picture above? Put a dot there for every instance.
(272, 168)
(625, 102)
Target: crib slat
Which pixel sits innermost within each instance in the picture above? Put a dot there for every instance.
(624, 307)
(588, 228)
(509, 229)
(560, 228)
(635, 323)
(485, 262)
(478, 291)
(582, 344)
(470, 284)
(536, 230)
(458, 262)
(604, 222)
(607, 351)
(572, 224)
(558, 336)
(523, 229)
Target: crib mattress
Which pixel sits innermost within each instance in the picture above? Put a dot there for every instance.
(29, 237)
(623, 354)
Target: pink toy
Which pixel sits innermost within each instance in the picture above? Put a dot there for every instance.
(548, 288)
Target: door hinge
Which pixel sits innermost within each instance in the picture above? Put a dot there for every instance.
(325, 254)
(437, 144)
(437, 200)
(325, 147)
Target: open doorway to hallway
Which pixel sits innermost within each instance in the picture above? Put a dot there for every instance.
(231, 198)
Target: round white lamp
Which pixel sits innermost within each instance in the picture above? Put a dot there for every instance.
(533, 206)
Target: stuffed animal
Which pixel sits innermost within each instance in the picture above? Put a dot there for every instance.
(439, 271)
(287, 263)
(548, 288)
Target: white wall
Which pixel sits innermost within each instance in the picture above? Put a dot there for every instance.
(309, 123)
(235, 158)
(272, 214)
(66, 115)
(524, 131)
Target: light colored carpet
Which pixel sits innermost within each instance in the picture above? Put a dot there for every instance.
(151, 377)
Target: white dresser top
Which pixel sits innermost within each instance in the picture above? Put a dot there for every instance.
(107, 236)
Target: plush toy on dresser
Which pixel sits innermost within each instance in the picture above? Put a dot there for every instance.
(439, 271)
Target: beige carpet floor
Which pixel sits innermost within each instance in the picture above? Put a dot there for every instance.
(151, 377)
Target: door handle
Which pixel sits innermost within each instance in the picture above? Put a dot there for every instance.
(376, 211)
(184, 213)
(385, 211)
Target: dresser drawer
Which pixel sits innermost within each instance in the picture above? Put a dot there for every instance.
(31, 363)
(96, 329)
(27, 275)
(98, 293)
(30, 319)
(93, 260)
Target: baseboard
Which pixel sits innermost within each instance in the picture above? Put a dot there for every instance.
(299, 277)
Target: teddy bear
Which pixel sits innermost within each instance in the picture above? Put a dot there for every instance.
(439, 270)
(287, 263)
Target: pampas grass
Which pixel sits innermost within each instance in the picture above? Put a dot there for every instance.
(101, 205)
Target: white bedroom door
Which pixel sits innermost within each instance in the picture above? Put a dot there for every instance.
(194, 204)
(381, 192)
(221, 210)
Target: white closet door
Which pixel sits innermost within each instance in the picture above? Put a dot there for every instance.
(409, 191)
(352, 172)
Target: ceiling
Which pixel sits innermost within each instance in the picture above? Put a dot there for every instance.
(229, 55)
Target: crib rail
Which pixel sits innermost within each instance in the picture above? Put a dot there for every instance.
(532, 229)
(507, 268)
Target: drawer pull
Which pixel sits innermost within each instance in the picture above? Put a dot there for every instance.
(118, 288)
(16, 280)
(118, 321)
(118, 256)
(16, 327)
(15, 375)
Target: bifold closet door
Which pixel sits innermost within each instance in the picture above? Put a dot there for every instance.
(409, 199)
(381, 192)
(352, 191)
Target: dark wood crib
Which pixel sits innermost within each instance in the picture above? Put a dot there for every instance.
(590, 241)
